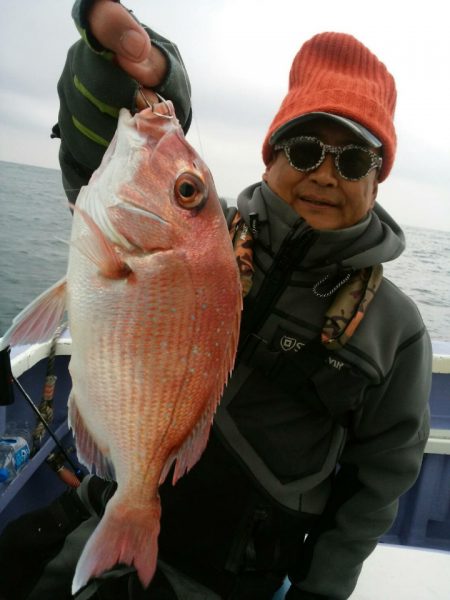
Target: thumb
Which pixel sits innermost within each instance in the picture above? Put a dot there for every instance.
(115, 29)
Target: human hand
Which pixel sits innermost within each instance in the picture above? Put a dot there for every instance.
(115, 29)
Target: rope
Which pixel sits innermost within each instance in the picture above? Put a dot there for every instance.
(46, 406)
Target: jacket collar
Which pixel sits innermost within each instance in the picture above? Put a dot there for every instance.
(375, 239)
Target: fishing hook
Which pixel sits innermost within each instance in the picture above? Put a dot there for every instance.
(152, 106)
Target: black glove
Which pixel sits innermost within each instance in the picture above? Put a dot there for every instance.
(296, 594)
(95, 493)
(112, 586)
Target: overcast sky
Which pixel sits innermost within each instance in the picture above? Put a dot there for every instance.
(238, 54)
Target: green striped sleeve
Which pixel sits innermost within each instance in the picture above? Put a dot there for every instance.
(98, 139)
(112, 111)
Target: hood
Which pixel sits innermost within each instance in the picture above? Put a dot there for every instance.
(376, 239)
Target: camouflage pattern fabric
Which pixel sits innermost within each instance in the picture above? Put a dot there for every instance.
(349, 306)
(242, 239)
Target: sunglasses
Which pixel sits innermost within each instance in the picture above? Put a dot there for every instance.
(307, 153)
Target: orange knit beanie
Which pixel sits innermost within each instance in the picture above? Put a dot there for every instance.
(334, 73)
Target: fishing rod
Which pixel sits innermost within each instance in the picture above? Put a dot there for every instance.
(76, 470)
(7, 379)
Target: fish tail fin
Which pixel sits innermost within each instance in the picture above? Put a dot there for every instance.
(125, 535)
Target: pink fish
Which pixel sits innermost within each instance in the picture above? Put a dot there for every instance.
(154, 303)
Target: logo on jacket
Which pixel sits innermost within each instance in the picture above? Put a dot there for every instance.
(335, 363)
(288, 343)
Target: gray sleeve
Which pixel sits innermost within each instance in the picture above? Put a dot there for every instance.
(228, 211)
(380, 462)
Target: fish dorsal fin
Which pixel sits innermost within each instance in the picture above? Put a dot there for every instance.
(39, 320)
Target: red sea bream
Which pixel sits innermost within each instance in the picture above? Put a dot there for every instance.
(154, 304)
(154, 301)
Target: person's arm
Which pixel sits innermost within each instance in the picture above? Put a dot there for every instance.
(100, 78)
(380, 462)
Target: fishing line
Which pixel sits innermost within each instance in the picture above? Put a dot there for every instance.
(188, 87)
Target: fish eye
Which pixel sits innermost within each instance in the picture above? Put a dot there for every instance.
(190, 191)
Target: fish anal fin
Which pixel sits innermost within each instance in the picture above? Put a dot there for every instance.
(100, 250)
(192, 448)
(88, 451)
(144, 230)
(38, 321)
(126, 534)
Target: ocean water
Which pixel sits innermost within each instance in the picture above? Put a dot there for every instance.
(35, 228)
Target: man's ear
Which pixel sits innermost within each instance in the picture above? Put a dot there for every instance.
(268, 167)
(374, 191)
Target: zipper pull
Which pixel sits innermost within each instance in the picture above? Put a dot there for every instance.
(254, 224)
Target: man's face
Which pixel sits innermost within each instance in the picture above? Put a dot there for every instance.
(323, 198)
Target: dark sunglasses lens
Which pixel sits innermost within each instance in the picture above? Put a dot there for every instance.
(305, 155)
(354, 163)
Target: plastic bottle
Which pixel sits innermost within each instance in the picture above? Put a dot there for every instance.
(7, 466)
(19, 429)
(14, 455)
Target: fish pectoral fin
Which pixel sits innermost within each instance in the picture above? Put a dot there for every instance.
(141, 228)
(88, 451)
(101, 250)
(39, 320)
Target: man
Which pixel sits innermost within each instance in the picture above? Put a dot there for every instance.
(324, 422)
